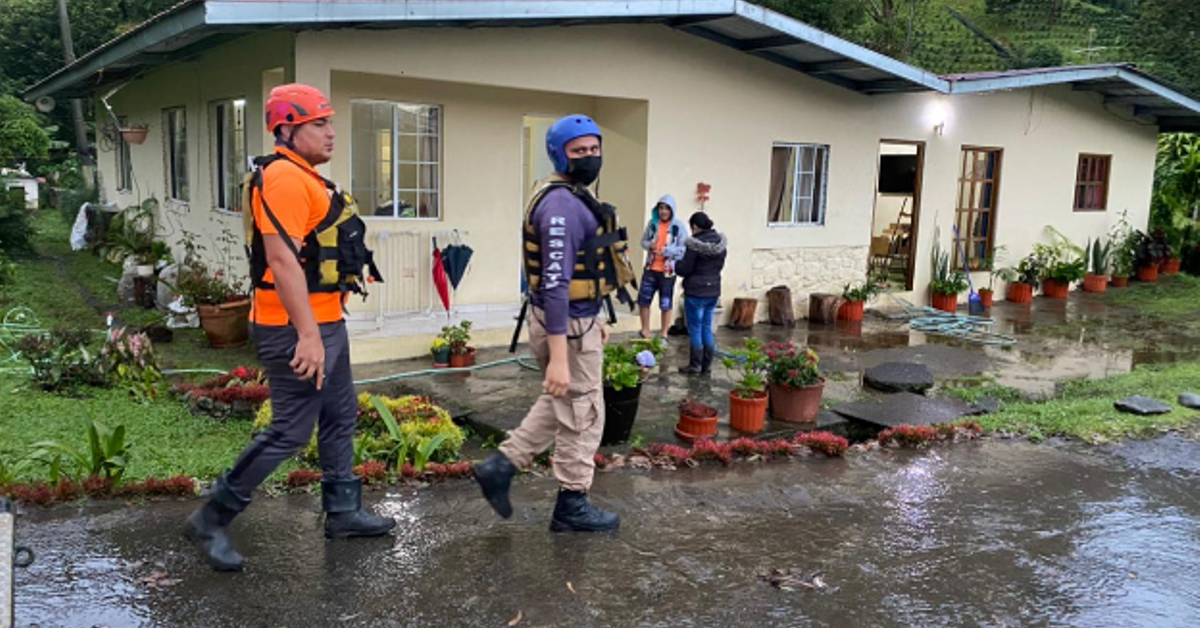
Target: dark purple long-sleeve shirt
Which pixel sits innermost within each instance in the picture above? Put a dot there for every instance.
(563, 223)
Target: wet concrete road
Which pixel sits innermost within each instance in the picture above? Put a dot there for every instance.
(992, 533)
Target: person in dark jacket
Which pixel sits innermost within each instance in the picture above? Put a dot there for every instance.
(701, 271)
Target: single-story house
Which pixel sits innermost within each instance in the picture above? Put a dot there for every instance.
(823, 157)
(19, 179)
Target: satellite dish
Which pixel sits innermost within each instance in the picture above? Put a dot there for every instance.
(44, 104)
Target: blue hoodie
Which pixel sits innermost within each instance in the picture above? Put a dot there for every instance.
(676, 242)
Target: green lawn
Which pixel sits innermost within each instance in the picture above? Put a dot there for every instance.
(166, 439)
(1084, 408)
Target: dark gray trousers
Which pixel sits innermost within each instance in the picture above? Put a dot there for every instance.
(296, 406)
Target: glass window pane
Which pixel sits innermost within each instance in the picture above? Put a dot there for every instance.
(408, 176)
(407, 205)
(428, 206)
(808, 158)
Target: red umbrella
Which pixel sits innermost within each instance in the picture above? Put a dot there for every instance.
(440, 281)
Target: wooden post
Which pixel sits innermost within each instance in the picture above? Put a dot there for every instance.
(781, 309)
(823, 308)
(743, 313)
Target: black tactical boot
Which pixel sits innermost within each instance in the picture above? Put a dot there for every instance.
(208, 528)
(706, 360)
(495, 477)
(695, 355)
(344, 516)
(573, 513)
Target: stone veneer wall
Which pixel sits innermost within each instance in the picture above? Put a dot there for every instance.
(805, 270)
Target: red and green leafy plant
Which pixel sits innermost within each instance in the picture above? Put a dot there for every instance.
(824, 442)
(790, 366)
(372, 472)
(128, 359)
(240, 392)
(299, 478)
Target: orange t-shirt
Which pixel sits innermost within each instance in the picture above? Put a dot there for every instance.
(300, 201)
(659, 261)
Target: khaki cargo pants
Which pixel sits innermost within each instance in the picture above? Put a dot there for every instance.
(575, 423)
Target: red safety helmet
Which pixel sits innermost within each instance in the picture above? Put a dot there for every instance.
(296, 103)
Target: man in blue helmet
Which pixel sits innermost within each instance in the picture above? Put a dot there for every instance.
(566, 333)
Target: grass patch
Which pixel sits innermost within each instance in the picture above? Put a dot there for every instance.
(972, 388)
(57, 285)
(1084, 408)
(1172, 297)
(166, 439)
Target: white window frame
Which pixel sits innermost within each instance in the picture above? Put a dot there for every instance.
(397, 162)
(217, 160)
(173, 177)
(124, 162)
(798, 194)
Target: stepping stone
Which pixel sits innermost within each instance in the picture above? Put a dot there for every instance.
(899, 377)
(904, 409)
(1190, 400)
(986, 405)
(1140, 405)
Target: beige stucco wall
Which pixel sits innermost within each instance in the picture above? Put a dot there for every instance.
(236, 70)
(1042, 132)
(676, 110)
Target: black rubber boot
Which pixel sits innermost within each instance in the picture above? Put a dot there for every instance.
(695, 355)
(344, 516)
(208, 528)
(706, 360)
(573, 513)
(495, 477)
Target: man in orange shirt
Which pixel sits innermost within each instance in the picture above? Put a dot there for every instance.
(300, 336)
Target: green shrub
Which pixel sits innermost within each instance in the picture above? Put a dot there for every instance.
(16, 230)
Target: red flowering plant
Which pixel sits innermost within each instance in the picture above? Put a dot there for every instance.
(790, 366)
(239, 392)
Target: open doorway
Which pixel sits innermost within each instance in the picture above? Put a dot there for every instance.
(897, 212)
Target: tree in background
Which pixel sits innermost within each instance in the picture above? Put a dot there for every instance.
(22, 137)
(1166, 38)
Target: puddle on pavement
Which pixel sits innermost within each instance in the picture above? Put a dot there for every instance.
(985, 534)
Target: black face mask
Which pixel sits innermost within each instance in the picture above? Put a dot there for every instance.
(585, 170)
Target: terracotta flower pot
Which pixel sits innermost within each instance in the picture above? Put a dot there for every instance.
(797, 405)
(1019, 293)
(945, 302)
(1055, 289)
(1119, 282)
(463, 360)
(692, 426)
(1148, 273)
(851, 311)
(986, 296)
(1171, 266)
(134, 135)
(1095, 283)
(748, 415)
(227, 324)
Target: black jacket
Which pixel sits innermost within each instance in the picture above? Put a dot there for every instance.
(702, 264)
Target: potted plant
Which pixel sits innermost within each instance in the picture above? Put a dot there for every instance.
(221, 302)
(795, 382)
(625, 368)
(946, 283)
(1021, 279)
(748, 399)
(1123, 254)
(1149, 252)
(1173, 261)
(440, 350)
(1062, 265)
(856, 296)
(1098, 252)
(696, 420)
(462, 354)
(134, 134)
(988, 295)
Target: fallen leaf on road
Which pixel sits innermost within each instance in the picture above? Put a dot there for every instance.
(348, 617)
(158, 580)
(516, 620)
(791, 579)
(569, 587)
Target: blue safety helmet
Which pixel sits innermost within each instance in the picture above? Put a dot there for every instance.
(563, 131)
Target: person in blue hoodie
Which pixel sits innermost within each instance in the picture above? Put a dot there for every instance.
(664, 242)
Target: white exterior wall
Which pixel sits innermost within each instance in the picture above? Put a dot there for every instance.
(241, 69)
